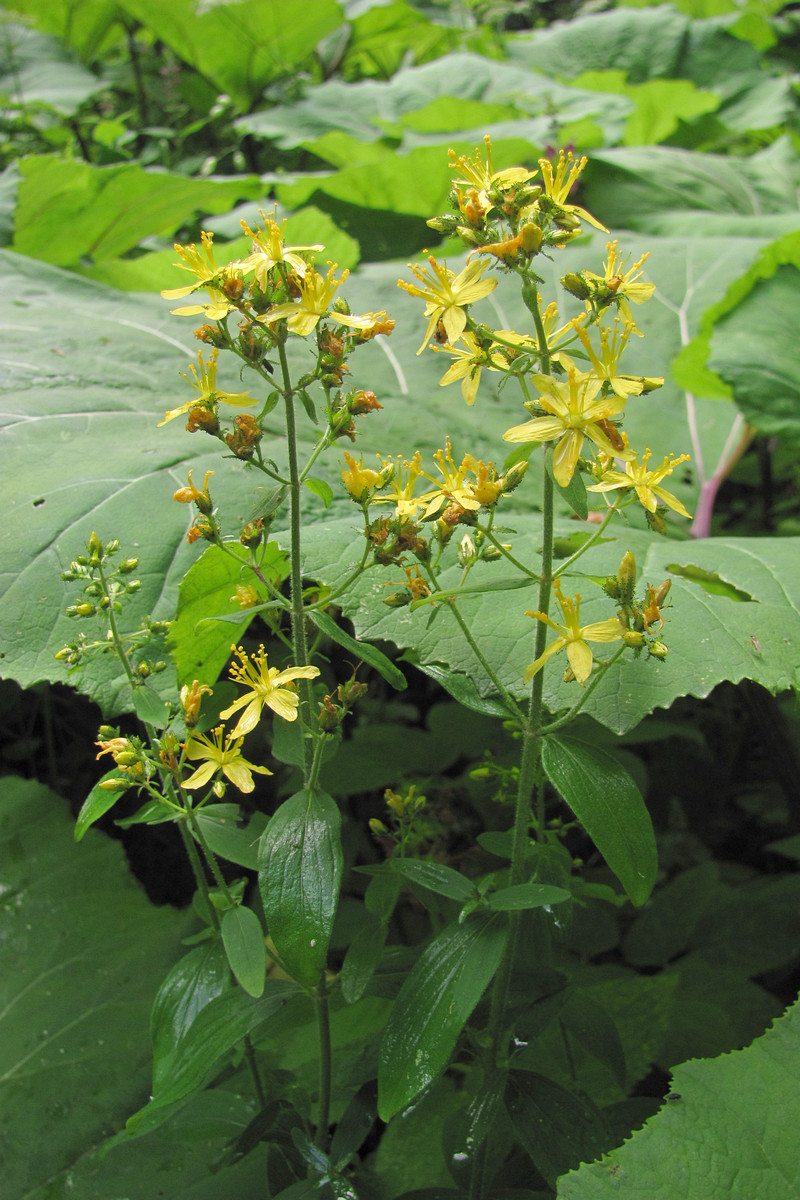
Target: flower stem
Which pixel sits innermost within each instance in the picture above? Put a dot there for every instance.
(299, 641)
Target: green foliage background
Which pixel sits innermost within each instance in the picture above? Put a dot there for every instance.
(128, 125)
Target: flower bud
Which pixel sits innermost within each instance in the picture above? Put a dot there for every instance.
(576, 285)
(633, 639)
(626, 579)
(114, 785)
(658, 650)
(128, 565)
(398, 599)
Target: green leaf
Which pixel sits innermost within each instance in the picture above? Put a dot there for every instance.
(728, 1131)
(68, 210)
(610, 807)
(149, 707)
(761, 371)
(245, 948)
(195, 980)
(98, 802)
(240, 47)
(36, 72)
(574, 493)
(83, 952)
(365, 652)
(362, 958)
(217, 1030)
(436, 877)
(526, 895)
(222, 828)
(320, 488)
(558, 1128)
(300, 868)
(434, 1003)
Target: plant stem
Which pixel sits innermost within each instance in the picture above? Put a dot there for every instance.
(529, 781)
(299, 642)
(325, 1072)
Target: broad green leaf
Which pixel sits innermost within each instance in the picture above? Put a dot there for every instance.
(610, 807)
(408, 1161)
(386, 34)
(195, 980)
(320, 488)
(659, 104)
(83, 952)
(526, 895)
(625, 186)
(229, 835)
(37, 73)
(240, 46)
(98, 802)
(558, 1128)
(300, 868)
(217, 1030)
(200, 644)
(368, 654)
(728, 1131)
(70, 210)
(245, 948)
(753, 350)
(88, 26)
(434, 1003)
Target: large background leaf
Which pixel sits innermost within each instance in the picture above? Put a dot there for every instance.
(744, 1105)
(83, 952)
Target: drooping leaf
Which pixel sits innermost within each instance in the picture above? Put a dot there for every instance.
(368, 654)
(438, 996)
(300, 868)
(195, 980)
(36, 72)
(229, 835)
(610, 807)
(96, 804)
(245, 948)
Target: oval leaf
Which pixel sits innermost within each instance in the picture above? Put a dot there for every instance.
(98, 802)
(243, 939)
(436, 877)
(559, 1129)
(220, 828)
(195, 980)
(300, 868)
(526, 895)
(610, 807)
(435, 1001)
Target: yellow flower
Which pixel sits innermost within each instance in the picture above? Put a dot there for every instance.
(575, 414)
(220, 757)
(605, 366)
(216, 307)
(191, 699)
(620, 285)
(199, 263)
(480, 179)
(191, 495)
(645, 483)
(573, 637)
(447, 294)
(208, 394)
(269, 250)
(402, 484)
(267, 686)
(469, 363)
(455, 489)
(316, 297)
(558, 187)
(359, 480)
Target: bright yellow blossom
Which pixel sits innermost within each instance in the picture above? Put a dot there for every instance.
(267, 686)
(558, 186)
(605, 366)
(469, 363)
(447, 295)
(573, 637)
(269, 250)
(621, 284)
(359, 480)
(575, 414)
(190, 494)
(220, 756)
(199, 263)
(316, 298)
(402, 484)
(208, 394)
(645, 483)
(480, 178)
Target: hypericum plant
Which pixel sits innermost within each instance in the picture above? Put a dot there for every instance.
(417, 521)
